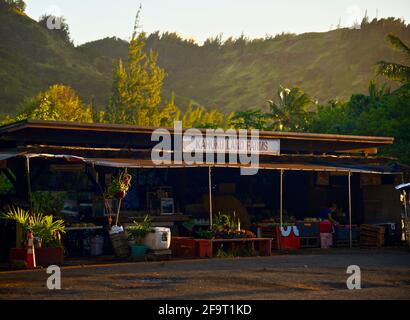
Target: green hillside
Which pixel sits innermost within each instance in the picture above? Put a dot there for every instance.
(233, 75)
(32, 58)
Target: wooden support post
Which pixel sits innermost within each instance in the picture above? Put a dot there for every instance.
(281, 208)
(350, 209)
(29, 198)
(210, 196)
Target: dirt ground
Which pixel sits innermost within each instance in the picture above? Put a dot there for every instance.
(313, 274)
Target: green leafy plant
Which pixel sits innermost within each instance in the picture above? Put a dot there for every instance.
(224, 222)
(48, 202)
(138, 231)
(119, 186)
(221, 253)
(205, 234)
(242, 251)
(42, 226)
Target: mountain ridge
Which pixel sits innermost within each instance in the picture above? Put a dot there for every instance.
(232, 75)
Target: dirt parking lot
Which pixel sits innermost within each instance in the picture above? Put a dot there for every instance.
(312, 274)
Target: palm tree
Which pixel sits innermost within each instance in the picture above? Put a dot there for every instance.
(291, 111)
(377, 91)
(395, 71)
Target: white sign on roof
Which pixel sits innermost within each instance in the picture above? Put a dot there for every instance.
(212, 144)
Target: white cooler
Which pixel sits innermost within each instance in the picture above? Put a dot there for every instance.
(160, 239)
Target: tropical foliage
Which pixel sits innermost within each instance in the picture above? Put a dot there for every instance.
(290, 112)
(59, 102)
(18, 5)
(396, 71)
(250, 119)
(42, 226)
(136, 92)
(378, 113)
(138, 230)
(140, 95)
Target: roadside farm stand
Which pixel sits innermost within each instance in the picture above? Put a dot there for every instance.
(299, 174)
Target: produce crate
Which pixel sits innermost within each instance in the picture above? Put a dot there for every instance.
(342, 233)
(372, 236)
(391, 232)
(308, 229)
(183, 247)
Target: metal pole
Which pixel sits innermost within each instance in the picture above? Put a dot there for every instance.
(210, 196)
(281, 198)
(350, 209)
(29, 198)
(281, 208)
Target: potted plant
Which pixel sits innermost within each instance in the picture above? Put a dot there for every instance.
(119, 186)
(47, 232)
(117, 190)
(136, 235)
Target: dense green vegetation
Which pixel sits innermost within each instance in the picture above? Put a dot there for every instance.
(32, 58)
(230, 75)
(342, 81)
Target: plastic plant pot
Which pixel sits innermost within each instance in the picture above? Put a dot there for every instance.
(138, 251)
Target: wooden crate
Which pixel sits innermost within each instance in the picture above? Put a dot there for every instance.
(371, 236)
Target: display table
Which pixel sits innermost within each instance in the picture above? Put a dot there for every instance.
(78, 240)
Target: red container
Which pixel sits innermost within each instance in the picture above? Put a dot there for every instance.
(50, 256)
(325, 227)
(288, 239)
(44, 257)
(183, 247)
(204, 248)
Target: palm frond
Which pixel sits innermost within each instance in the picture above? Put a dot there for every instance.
(394, 71)
(399, 45)
(17, 214)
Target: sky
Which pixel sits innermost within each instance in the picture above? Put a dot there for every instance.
(200, 19)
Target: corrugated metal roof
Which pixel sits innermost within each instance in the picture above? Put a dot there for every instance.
(140, 163)
(65, 125)
(148, 163)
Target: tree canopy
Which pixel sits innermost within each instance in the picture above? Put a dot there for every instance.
(59, 102)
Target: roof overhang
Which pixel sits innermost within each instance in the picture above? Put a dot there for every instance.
(125, 136)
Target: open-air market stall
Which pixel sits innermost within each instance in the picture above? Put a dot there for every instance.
(71, 163)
